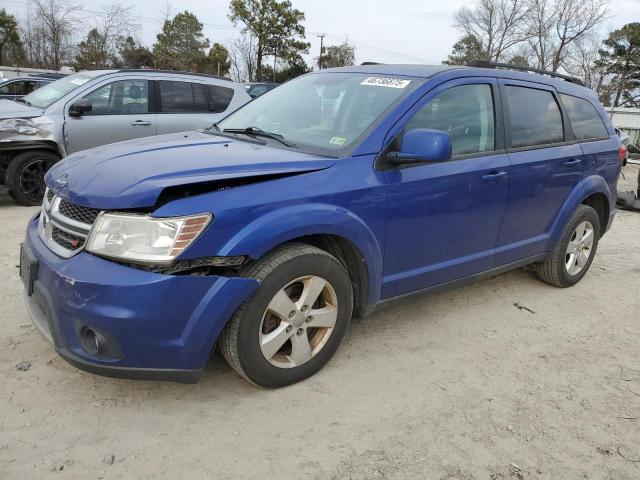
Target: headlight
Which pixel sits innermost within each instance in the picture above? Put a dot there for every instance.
(144, 239)
(19, 125)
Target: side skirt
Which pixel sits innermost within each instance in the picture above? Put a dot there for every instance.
(460, 282)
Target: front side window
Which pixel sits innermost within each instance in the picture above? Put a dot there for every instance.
(465, 113)
(323, 112)
(584, 118)
(535, 117)
(182, 97)
(124, 97)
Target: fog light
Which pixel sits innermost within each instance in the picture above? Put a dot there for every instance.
(90, 340)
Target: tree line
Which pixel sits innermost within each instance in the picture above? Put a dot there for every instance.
(269, 29)
(555, 35)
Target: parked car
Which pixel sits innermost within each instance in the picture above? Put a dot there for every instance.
(260, 88)
(99, 107)
(624, 147)
(17, 87)
(267, 233)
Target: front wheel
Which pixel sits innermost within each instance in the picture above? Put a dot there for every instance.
(574, 253)
(293, 324)
(25, 176)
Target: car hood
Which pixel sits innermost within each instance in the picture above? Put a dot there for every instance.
(11, 109)
(133, 174)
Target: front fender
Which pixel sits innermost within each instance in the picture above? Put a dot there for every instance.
(587, 187)
(285, 224)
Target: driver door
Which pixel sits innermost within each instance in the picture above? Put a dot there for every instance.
(444, 218)
(121, 110)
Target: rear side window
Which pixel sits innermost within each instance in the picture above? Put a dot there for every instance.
(465, 113)
(221, 96)
(535, 117)
(182, 97)
(584, 118)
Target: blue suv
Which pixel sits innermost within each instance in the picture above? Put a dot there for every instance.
(313, 204)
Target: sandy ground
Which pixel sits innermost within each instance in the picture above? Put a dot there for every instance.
(461, 385)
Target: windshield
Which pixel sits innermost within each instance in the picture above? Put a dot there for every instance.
(322, 113)
(45, 96)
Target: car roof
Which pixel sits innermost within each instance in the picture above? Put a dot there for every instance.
(428, 71)
(97, 73)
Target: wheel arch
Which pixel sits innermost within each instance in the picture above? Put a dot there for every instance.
(333, 229)
(592, 191)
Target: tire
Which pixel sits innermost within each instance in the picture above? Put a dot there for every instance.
(563, 270)
(25, 176)
(295, 270)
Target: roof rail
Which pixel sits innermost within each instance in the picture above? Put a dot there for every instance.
(371, 63)
(511, 66)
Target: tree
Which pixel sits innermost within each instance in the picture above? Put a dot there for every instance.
(620, 60)
(181, 44)
(555, 26)
(498, 25)
(276, 27)
(288, 69)
(49, 31)
(90, 55)
(101, 48)
(134, 55)
(465, 50)
(10, 44)
(244, 58)
(337, 56)
(219, 62)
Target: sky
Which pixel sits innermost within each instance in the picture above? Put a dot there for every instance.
(404, 31)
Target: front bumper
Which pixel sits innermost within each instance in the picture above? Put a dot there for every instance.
(159, 326)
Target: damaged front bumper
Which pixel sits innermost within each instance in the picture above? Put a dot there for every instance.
(117, 321)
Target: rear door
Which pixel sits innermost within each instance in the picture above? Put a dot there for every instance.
(546, 165)
(121, 110)
(599, 146)
(189, 105)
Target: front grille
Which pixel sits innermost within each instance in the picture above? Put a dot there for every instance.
(63, 226)
(79, 214)
(66, 240)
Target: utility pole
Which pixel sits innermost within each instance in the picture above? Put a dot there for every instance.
(275, 58)
(321, 37)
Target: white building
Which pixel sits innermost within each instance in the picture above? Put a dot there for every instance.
(627, 120)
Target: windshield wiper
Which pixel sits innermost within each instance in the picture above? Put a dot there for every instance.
(258, 132)
(22, 100)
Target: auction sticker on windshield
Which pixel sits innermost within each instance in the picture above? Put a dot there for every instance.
(385, 82)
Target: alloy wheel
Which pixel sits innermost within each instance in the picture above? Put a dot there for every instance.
(298, 321)
(579, 248)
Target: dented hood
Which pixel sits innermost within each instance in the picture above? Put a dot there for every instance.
(133, 174)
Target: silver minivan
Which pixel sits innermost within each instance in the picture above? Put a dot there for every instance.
(97, 107)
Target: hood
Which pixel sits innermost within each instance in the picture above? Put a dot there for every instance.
(133, 174)
(11, 109)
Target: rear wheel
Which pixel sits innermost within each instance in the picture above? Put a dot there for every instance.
(294, 322)
(574, 253)
(25, 176)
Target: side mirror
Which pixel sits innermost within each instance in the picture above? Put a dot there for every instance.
(216, 106)
(422, 145)
(80, 107)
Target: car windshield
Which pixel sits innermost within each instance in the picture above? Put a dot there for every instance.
(50, 93)
(321, 113)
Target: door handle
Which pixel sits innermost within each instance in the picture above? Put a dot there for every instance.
(573, 163)
(140, 123)
(494, 176)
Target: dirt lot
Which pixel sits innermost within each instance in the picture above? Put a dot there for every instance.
(461, 385)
